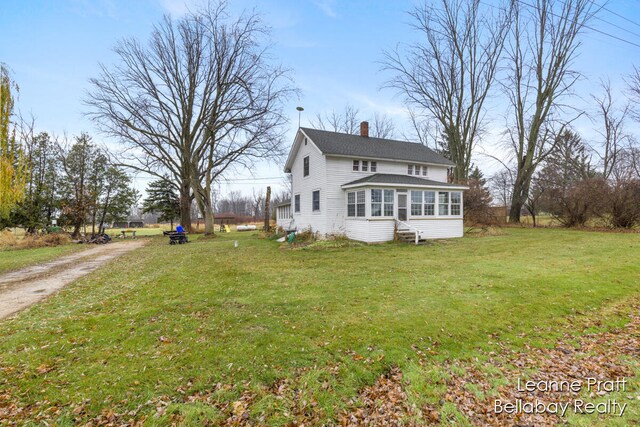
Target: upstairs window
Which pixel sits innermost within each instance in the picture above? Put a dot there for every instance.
(365, 166)
(315, 201)
(417, 169)
(410, 169)
(424, 171)
(356, 165)
(305, 171)
(374, 166)
(296, 203)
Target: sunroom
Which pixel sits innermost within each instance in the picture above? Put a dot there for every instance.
(381, 205)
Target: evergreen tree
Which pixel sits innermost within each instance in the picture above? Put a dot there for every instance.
(163, 199)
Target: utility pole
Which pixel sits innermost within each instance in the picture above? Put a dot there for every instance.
(300, 110)
(267, 216)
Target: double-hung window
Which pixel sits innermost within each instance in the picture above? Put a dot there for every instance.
(410, 169)
(388, 202)
(374, 166)
(356, 203)
(356, 165)
(306, 166)
(456, 202)
(416, 203)
(429, 203)
(381, 202)
(443, 203)
(315, 200)
(365, 166)
(296, 203)
(376, 202)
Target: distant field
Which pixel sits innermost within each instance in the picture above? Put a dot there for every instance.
(206, 332)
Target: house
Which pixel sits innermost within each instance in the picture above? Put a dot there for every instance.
(370, 188)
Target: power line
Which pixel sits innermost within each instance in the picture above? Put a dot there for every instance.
(616, 14)
(586, 26)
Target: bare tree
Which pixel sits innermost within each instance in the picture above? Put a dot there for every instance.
(382, 126)
(611, 131)
(348, 121)
(544, 41)
(450, 73)
(501, 184)
(202, 97)
(345, 122)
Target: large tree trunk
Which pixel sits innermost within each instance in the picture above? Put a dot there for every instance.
(185, 205)
(519, 195)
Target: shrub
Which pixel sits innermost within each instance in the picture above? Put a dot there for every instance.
(624, 204)
(576, 204)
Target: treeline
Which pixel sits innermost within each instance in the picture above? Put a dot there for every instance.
(74, 183)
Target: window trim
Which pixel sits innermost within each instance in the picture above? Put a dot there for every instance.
(356, 166)
(313, 201)
(384, 205)
(359, 209)
(373, 166)
(305, 166)
(296, 203)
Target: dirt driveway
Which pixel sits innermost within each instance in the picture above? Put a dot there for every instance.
(22, 288)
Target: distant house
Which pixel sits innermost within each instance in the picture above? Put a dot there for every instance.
(370, 188)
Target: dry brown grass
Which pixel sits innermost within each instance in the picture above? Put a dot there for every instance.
(8, 240)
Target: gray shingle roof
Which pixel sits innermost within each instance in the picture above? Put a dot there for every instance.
(344, 144)
(284, 203)
(386, 178)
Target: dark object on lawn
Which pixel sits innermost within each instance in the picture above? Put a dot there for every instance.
(100, 239)
(175, 237)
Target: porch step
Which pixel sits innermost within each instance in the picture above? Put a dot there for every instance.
(409, 237)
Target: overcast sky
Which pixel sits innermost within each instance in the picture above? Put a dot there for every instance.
(333, 47)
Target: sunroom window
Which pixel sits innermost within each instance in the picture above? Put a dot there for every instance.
(443, 203)
(416, 203)
(429, 203)
(356, 203)
(456, 202)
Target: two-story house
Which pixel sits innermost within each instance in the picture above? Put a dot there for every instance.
(368, 188)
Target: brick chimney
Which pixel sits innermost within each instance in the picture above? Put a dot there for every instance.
(364, 129)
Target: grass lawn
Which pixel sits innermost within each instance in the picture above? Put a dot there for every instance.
(205, 330)
(13, 259)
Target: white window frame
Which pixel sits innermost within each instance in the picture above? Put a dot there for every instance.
(356, 165)
(373, 166)
(359, 204)
(313, 207)
(414, 202)
(443, 204)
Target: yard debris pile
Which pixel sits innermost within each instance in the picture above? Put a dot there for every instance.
(593, 355)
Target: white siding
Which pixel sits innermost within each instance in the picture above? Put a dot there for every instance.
(373, 231)
(438, 228)
(370, 231)
(344, 168)
(305, 185)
